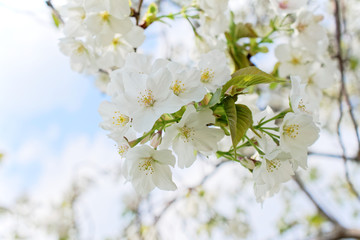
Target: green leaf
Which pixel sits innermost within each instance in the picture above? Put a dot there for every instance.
(244, 78)
(239, 119)
(220, 115)
(56, 20)
(215, 99)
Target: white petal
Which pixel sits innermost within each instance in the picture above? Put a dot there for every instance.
(164, 157)
(185, 152)
(162, 177)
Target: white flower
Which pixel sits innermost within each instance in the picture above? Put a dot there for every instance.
(114, 118)
(147, 168)
(74, 15)
(185, 84)
(300, 101)
(112, 56)
(146, 97)
(321, 75)
(106, 18)
(102, 81)
(214, 70)
(297, 133)
(287, 6)
(191, 134)
(207, 43)
(117, 8)
(275, 169)
(81, 57)
(213, 8)
(310, 32)
(293, 60)
(122, 144)
(213, 26)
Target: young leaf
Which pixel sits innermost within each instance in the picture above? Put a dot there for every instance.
(56, 20)
(246, 77)
(239, 119)
(215, 99)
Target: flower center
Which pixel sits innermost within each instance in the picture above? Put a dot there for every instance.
(178, 87)
(301, 27)
(116, 41)
(80, 49)
(186, 133)
(272, 165)
(105, 16)
(146, 99)
(301, 106)
(207, 75)
(123, 149)
(291, 130)
(295, 61)
(147, 166)
(120, 119)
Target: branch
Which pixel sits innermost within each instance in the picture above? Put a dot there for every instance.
(343, 93)
(317, 205)
(341, 233)
(338, 232)
(329, 155)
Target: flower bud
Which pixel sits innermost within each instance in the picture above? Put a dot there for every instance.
(156, 139)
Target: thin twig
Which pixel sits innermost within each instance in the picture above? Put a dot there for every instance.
(320, 209)
(338, 232)
(343, 93)
(329, 155)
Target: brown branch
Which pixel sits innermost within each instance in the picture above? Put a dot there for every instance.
(136, 13)
(341, 233)
(343, 93)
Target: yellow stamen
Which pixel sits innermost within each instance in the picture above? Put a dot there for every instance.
(178, 87)
(116, 41)
(120, 119)
(291, 130)
(301, 106)
(81, 49)
(146, 99)
(186, 133)
(272, 165)
(146, 165)
(123, 149)
(301, 27)
(105, 16)
(295, 61)
(207, 75)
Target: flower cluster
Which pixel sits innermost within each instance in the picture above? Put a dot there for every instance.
(163, 113)
(148, 95)
(98, 34)
(306, 60)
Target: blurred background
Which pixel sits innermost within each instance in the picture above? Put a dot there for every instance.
(60, 174)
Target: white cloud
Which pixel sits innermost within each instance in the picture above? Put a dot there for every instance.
(35, 76)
